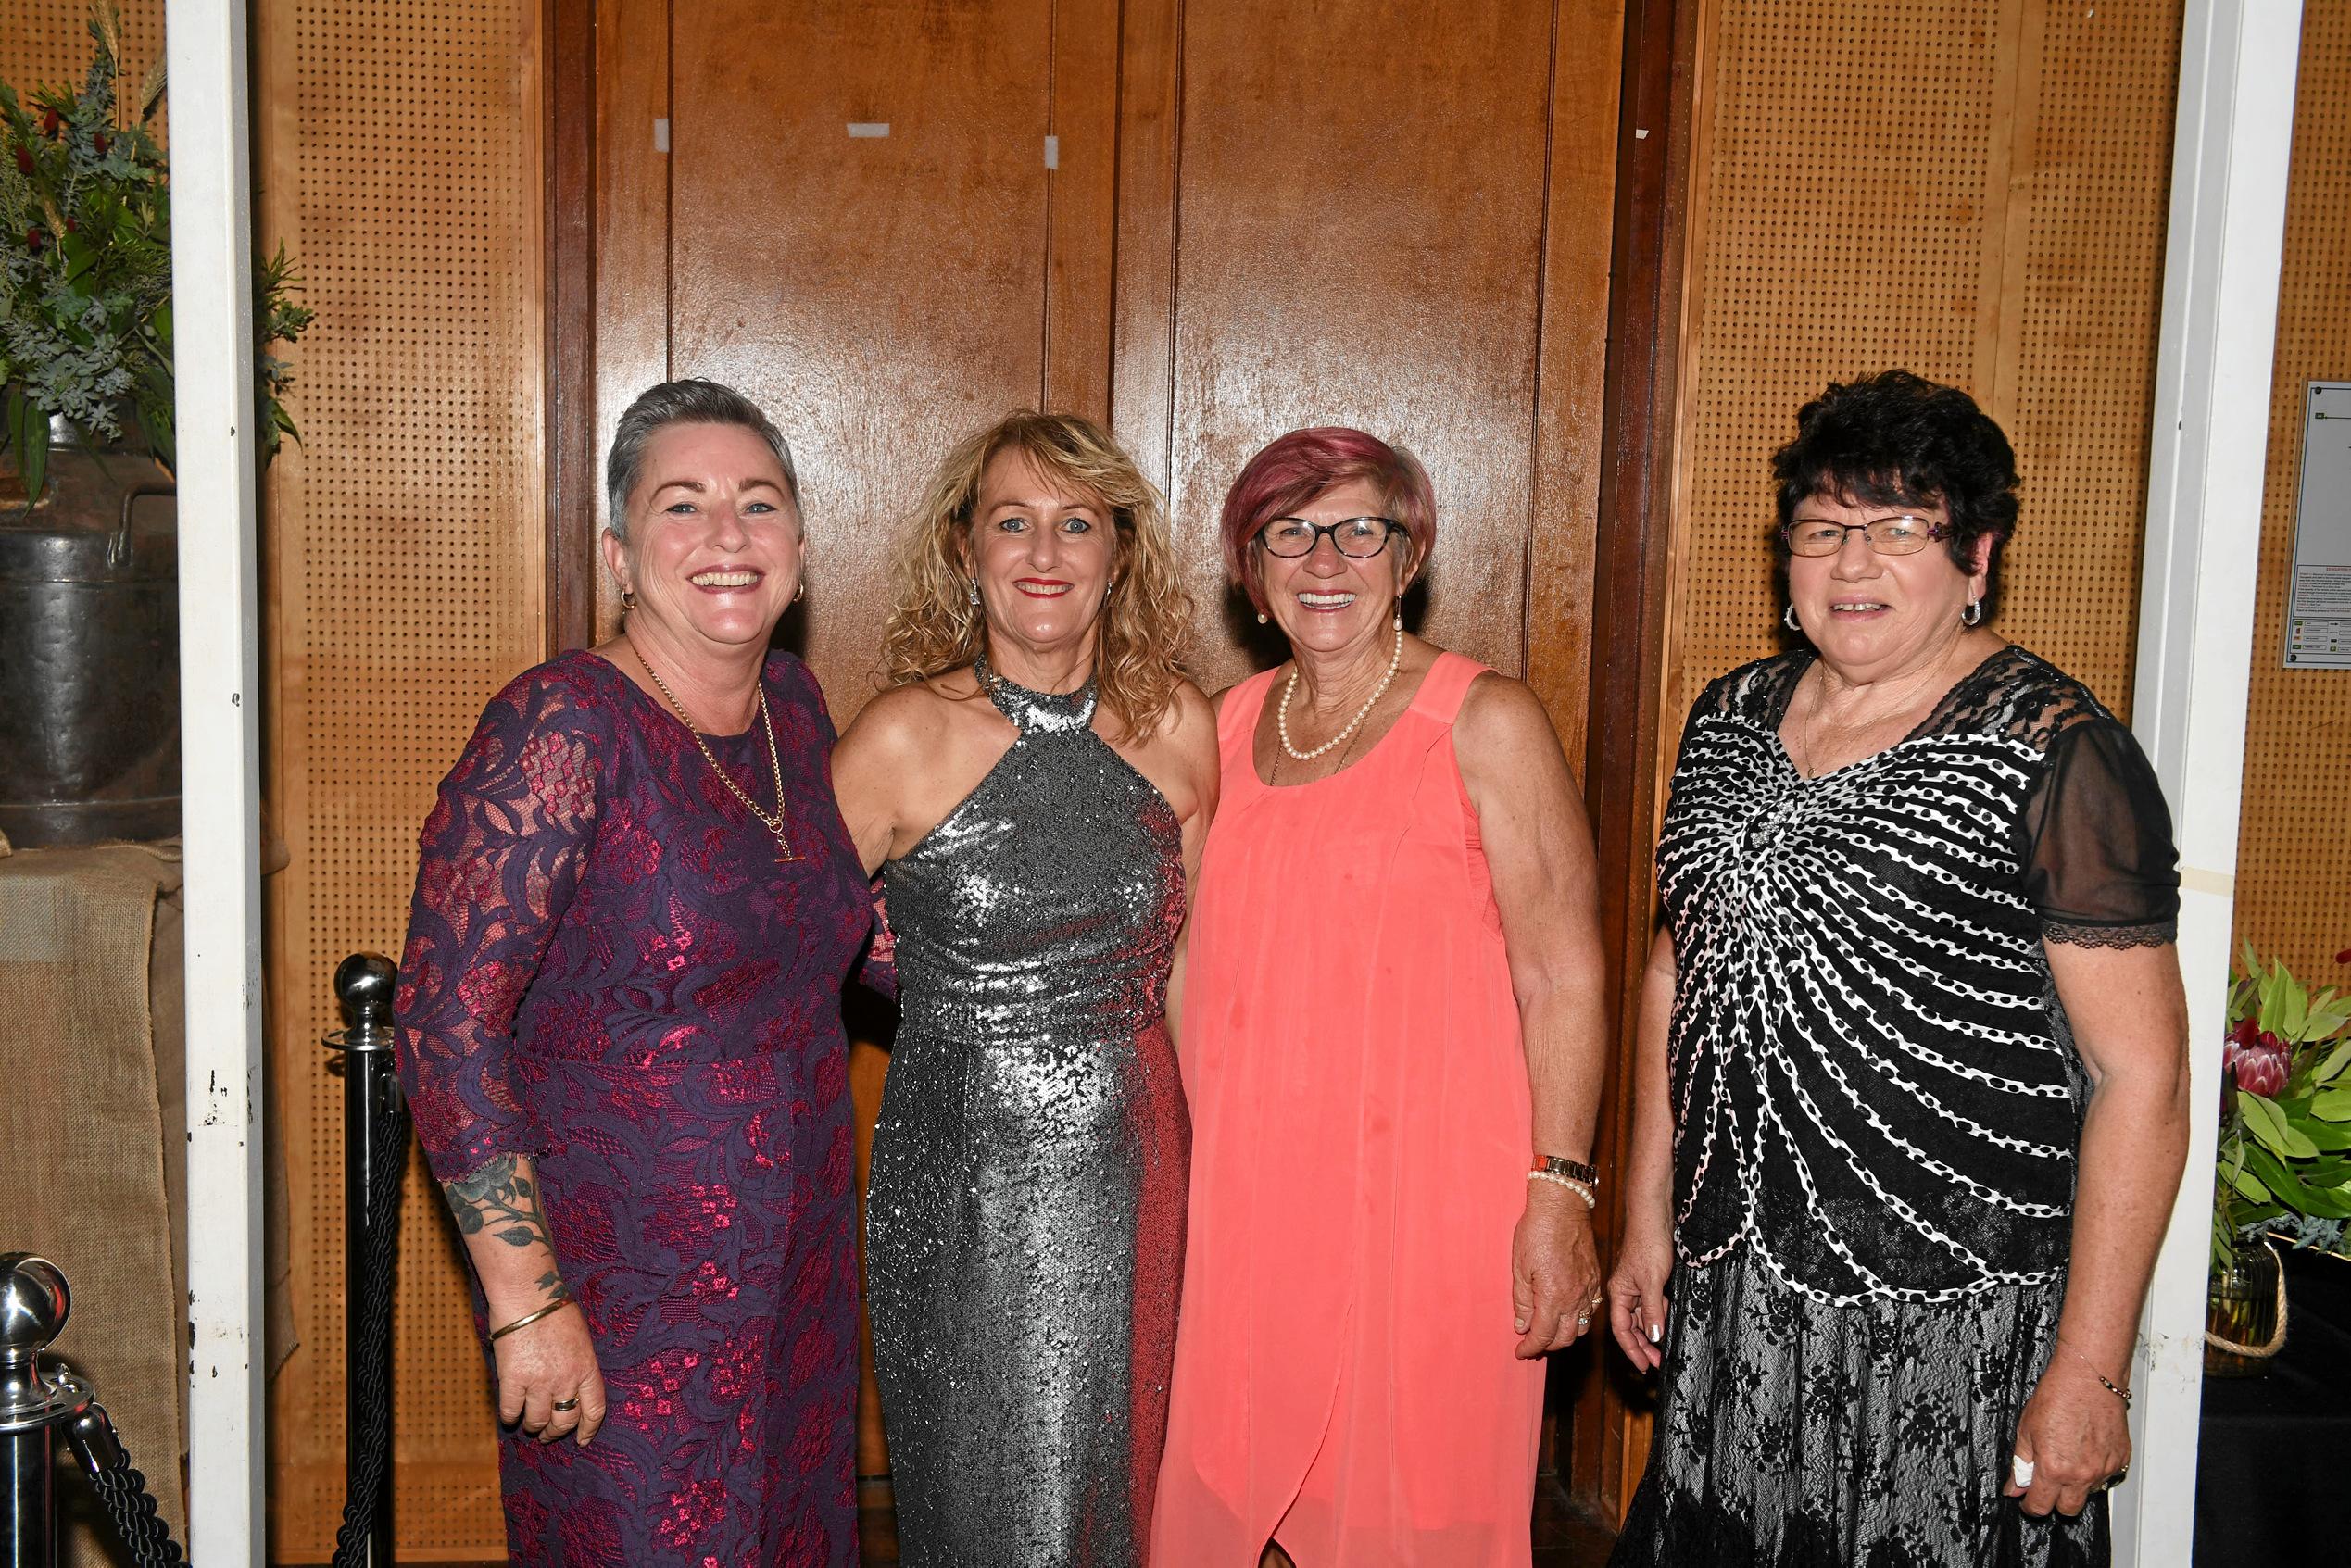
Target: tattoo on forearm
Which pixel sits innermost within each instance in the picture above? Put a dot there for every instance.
(501, 1200)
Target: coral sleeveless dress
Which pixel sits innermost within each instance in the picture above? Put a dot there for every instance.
(1344, 1378)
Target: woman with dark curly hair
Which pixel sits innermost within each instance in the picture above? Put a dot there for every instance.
(1911, 1073)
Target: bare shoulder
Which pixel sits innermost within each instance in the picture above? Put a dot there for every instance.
(897, 725)
(1502, 718)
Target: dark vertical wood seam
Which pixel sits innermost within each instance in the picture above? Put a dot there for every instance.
(1535, 382)
(568, 316)
(1628, 606)
(1044, 318)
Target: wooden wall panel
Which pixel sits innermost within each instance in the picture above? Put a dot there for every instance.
(880, 297)
(47, 44)
(398, 157)
(2294, 854)
(1364, 246)
(1971, 189)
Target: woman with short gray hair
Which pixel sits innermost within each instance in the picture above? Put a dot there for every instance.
(620, 1033)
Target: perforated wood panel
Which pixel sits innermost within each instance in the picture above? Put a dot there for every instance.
(2294, 851)
(1971, 189)
(405, 541)
(47, 44)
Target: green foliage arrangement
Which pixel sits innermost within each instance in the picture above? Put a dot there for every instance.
(2284, 1161)
(85, 270)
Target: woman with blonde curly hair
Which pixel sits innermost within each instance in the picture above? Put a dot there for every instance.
(1035, 786)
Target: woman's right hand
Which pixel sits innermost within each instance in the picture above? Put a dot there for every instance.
(546, 1364)
(1637, 1294)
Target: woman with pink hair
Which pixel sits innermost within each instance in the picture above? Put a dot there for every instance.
(1392, 1042)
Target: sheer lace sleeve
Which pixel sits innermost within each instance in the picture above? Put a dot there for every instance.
(499, 857)
(2099, 864)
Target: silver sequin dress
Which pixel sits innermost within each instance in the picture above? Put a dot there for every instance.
(1024, 1225)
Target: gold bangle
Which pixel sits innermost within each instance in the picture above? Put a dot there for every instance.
(527, 1319)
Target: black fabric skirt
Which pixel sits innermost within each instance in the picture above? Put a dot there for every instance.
(1795, 1434)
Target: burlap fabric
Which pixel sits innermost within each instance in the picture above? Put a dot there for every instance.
(82, 1144)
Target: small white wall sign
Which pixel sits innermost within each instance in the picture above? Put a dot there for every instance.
(2318, 610)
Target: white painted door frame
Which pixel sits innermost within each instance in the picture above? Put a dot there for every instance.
(219, 739)
(2231, 150)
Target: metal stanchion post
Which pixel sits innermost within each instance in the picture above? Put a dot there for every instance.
(371, 1096)
(38, 1395)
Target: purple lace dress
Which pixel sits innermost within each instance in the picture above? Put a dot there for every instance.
(609, 968)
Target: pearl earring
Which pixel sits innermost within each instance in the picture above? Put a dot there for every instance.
(1261, 617)
(1396, 617)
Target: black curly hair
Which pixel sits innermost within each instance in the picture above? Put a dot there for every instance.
(1899, 439)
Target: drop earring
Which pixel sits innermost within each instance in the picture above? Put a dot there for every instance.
(1790, 622)
(973, 591)
(1396, 616)
(1973, 614)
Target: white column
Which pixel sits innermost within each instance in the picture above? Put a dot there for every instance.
(220, 736)
(2231, 152)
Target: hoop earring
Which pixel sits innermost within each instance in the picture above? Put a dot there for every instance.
(628, 599)
(1790, 622)
(1973, 614)
(801, 592)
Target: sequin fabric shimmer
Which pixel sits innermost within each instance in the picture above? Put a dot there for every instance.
(1026, 1219)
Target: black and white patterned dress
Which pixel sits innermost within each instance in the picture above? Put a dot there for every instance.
(1877, 1105)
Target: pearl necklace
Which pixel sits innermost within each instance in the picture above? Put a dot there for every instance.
(1281, 714)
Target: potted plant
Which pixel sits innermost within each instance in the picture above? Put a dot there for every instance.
(85, 273)
(88, 562)
(2283, 1168)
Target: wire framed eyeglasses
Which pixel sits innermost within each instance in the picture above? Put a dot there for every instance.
(1903, 535)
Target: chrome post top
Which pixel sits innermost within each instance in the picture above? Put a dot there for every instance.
(34, 1304)
(363, 986)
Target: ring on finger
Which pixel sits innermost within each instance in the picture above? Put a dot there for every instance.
(569, 1404)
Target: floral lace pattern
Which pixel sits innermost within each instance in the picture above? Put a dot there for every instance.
(607, 967)
(1792, 1434)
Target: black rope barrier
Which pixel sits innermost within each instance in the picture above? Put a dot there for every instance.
(41, 1396)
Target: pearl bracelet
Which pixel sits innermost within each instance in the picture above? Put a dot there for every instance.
(1581, 1189)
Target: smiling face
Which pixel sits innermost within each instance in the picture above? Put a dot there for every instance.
(1043, 554)
(1326, 602)
(714, 547)
(1870, 615)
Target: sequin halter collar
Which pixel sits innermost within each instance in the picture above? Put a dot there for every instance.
(1036, 712)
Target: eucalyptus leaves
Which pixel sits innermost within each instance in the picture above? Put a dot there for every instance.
(2284, 1161)
(85, 270)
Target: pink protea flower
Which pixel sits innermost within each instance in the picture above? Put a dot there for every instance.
(2261, 1067)
(2240, 1034)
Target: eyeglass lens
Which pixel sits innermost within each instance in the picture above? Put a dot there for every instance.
(1357, 537)
(1887, 535)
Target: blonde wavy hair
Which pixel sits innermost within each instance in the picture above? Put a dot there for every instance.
(934, 627)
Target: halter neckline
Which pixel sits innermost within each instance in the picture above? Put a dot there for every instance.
(1033, 713)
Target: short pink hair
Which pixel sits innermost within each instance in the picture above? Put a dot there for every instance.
(1296, 468)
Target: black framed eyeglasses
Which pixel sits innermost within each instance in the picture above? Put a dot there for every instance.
(1904, 535)
(1359, 537)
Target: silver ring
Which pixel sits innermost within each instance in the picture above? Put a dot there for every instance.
(571, 1404)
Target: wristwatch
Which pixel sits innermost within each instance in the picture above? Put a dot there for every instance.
(1574, 1170)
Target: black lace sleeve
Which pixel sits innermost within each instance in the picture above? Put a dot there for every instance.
(2100, 867)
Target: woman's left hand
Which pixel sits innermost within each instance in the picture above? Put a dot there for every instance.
(1554, 1271)
(2075, 1435)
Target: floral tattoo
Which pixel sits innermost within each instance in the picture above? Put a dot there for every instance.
(501, 1200)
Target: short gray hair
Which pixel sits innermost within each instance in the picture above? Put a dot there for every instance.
(692, 401)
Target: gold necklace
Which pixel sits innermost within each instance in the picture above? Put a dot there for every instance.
(774, 825)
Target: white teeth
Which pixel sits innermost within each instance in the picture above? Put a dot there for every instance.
(724, 579)
(1325, 601)
(1044, 590)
